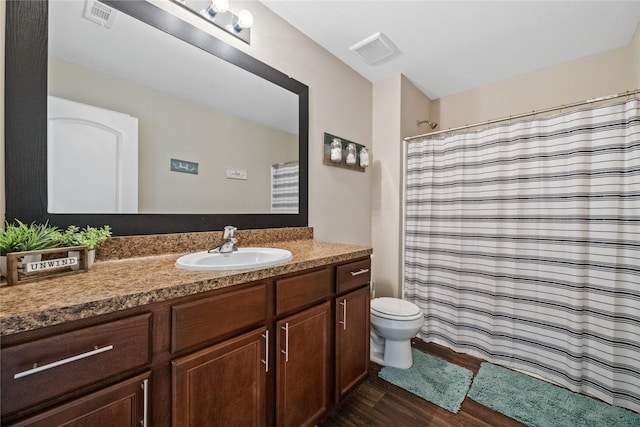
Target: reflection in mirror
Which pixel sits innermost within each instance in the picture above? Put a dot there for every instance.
(188, 170)
(186, 106)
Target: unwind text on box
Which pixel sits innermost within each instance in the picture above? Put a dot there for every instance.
(51, 264)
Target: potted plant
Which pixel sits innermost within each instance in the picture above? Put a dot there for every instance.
(20, 237)
(91, 237)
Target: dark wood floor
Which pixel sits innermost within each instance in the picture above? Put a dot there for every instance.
(378, 403)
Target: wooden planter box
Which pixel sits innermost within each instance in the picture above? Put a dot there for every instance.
(55, 262)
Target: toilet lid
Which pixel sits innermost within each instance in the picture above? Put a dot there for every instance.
(394, 307)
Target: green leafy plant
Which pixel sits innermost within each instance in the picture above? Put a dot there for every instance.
(20, 237)
(91, 237)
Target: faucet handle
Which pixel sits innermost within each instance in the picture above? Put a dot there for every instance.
(229, 230)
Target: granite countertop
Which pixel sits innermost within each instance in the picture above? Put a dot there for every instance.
(114, 285)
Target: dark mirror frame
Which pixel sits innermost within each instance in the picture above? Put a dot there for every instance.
(26, 125)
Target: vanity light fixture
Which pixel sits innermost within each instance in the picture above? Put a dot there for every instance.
(217, 6)
(243, 21)
(217, 12)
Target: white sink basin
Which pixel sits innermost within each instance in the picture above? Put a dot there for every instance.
(243, 258)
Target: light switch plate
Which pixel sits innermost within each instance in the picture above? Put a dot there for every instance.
(235, 173)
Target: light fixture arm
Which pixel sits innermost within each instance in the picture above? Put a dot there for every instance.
(217, 12)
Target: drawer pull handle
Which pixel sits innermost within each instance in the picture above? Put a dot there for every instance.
(37, 369)
(362, 271)
(286, 342)
(266, 351)
(145, 408)
(344, 314)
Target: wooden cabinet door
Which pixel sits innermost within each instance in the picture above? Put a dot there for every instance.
(123, 404)
(303, 363)
(352, 340)
(222, 385)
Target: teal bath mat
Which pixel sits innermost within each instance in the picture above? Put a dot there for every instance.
(432, 379)
(537, 403)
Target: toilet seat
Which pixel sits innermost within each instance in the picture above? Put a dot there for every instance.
(395, 309)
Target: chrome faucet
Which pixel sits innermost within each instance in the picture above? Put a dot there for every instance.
(226, 245)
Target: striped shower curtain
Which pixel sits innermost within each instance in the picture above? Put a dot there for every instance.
(285, 188)
(523, 246)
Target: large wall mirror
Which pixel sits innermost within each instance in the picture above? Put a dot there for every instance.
(146, 123)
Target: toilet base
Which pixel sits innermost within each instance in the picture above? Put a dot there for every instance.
(396, 354)
(377, 357)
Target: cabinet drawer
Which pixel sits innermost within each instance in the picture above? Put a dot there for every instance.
(216, 317)
(303, 290)
(122, 405)
(353, 275)
(50, 367)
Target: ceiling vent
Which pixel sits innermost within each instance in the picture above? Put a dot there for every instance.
(374, 48)
(99, 13)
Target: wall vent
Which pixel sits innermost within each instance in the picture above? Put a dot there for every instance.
(99, 13)
(374, 48)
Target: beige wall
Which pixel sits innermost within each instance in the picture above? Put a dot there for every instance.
(414, 106)
(339, 103)
(385, 207)
(635, 57)
(174, 128)
(397, 105)
(593, 76)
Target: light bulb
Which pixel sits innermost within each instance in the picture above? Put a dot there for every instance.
(219, 6)
(245, 20)
(216, 7)
(364, 157)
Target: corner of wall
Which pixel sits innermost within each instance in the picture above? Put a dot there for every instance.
(634, 45)
(3, 12)
(397, 105)
(415, 106)
(385, 183)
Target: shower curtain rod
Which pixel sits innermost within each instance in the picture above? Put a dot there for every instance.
(519, 116)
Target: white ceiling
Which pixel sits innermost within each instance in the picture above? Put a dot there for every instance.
(451, 46)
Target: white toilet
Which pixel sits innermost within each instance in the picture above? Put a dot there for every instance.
(393, 323)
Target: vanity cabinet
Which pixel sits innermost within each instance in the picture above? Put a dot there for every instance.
(303, 347)
(352, 326)
(281, 351)
(216, 317)
(352, 340)
(303, 366)
(225, 383)
(222, 385)
(53, 366)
